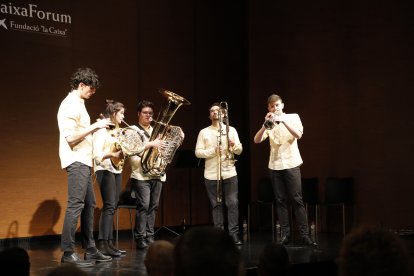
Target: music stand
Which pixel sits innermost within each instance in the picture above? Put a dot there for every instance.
(186, 159)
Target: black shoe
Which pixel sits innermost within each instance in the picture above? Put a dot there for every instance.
(142, 244)
(110, 252)
(236, 239)
(112, 246)
(308, 241)
(285, 240)
(98, 257)
(107, 250)
(121, 251)
(74, 259)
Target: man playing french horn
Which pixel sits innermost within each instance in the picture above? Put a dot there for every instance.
(216, 144)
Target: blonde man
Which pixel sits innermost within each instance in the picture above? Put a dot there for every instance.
(283, 132)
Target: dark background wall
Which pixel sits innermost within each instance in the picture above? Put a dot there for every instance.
(344, 67)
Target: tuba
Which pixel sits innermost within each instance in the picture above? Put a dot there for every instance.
(154, 160)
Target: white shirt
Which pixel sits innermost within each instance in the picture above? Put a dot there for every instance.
(284, 151)
(103, 140)
(206, 148)
(136, 167)
(73, 117)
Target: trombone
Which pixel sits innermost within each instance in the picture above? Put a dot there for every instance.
(229, 158)
(229, 154)
(219, 192)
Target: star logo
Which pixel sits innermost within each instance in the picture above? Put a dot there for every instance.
(3, 23)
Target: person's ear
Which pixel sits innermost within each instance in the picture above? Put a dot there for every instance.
(81, 85)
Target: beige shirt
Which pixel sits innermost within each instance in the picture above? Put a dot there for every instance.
(73, 117)
(284, 151)
(103, 140)
(206, 148)
(136, 167)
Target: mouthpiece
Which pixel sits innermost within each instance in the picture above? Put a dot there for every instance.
(125, 123)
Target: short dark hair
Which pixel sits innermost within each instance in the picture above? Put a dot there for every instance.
(159, 258)
(144, 103)
(86, 76)
(206, 250)
(214, 104)
(15, 260)
(370, 250)
(274, 260)
(112, 107)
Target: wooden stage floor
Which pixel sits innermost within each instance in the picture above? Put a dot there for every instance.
(45, 255)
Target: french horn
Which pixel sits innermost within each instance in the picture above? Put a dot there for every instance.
(130, 140)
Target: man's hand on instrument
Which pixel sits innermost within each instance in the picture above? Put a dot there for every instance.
(220, 150)
(280, 118)
(119, 154)
(158, 143)
(231, 142)
(103, 123)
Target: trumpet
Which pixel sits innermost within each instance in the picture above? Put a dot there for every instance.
(272, 121)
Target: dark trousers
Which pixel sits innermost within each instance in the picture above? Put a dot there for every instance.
(287, 187)
(147, 194)
(81, 202)
(230, 198)
(110, 186)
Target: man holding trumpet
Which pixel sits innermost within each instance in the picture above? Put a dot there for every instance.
(283, 131)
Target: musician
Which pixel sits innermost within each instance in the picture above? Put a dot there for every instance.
(146, 189)
(212, 145)
(284, 166)
(75, 152)
(108, 175)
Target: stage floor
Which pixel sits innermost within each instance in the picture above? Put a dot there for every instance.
(46, 255)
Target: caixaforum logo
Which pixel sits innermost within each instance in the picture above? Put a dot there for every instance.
(32, 18)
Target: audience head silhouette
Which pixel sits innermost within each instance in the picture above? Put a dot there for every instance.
(274, 260)
(206, 250)
(15, 261)
(373, 251)
(159, 258)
